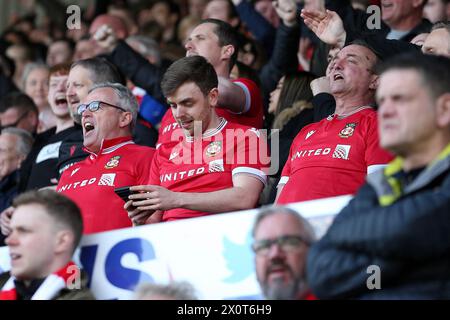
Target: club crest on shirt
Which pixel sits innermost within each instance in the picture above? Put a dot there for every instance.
(348, 130)
(214, 148)
(113, 162)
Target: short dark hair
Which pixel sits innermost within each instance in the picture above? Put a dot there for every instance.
(227, 35)
(189, 69)
(58, 207)
(434, 70)
(19, 101)
(101, 70)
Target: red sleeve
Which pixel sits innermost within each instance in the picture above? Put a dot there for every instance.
(251, 154)
(254, 107)
(144, 166)
(286, 173)
(154, 170)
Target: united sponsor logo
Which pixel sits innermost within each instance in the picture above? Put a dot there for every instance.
(341, 151)
(176, 176)
(77, 184)
(113, 162)
(107, 179)
(348, 130)
(311, 153)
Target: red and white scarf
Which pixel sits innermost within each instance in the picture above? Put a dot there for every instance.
(51, 286)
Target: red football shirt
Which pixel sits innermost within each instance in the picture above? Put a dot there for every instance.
(208, 164)
(91, 182)
(332, 157)
(252, 116)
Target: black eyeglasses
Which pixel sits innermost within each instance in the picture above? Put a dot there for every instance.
(286, 243)
(94, 106)
(14, 124)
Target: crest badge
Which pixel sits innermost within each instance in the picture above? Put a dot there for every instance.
(214, 148)
(348, 130)
(113, 162)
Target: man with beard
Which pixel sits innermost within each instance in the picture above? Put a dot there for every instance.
(281, 242)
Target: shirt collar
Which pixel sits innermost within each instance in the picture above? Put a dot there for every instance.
(210, 132)
(111, 145)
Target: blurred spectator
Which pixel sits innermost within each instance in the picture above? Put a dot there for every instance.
(77, 34)
(266, 9)
(18, 110)
(187, 25)
(404, 18)
(438, 41)
(35, 84)
(171, 291)
(39, 169)
(60, 52)
(115, 23)
(149, 108)
(196, 8)
(334, 156)
(45, 230)
(216, 181)
(282, 238)
(109, 114)
(397, 225)
(126, 15)
(436, 10)
(291, 104)
(167, 14)
(21, 54)
(85, 48)
(223, 10)
(15, 144)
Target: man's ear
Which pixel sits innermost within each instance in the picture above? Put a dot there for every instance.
(125, 119)
(417, 3)
(443, 111)
(374, 81)
(64, 241)
(213, 97)
(227, 51)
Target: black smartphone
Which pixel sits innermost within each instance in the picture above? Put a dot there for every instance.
(123, 192)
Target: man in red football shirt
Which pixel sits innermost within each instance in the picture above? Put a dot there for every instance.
(333, 157)
(240, 99)
(108, 117)
(212, 166)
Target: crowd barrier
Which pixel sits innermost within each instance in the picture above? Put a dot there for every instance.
(213, 253)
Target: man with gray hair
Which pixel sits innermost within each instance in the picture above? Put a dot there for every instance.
(282, 238)
(15, 144)
(108, 116)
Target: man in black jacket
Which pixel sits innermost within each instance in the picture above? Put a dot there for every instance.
(392, 240)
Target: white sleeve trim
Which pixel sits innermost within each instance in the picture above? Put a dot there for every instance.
(255, 172)
(283, 180)
(248, 98)
(375, 167)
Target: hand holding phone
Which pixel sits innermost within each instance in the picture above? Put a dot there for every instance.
(123, 192)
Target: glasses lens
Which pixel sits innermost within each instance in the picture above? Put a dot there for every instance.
(94, 105)
(81, 109)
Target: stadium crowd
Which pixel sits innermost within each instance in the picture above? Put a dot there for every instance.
(196, 107)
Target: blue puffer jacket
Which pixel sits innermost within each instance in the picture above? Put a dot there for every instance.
(403, 230)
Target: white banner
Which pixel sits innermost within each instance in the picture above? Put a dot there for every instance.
(213, 253)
